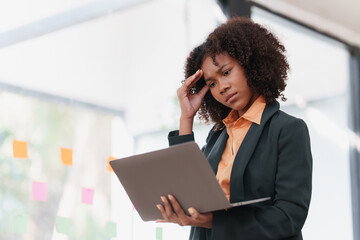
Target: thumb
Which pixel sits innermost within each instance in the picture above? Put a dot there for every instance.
(194, 214)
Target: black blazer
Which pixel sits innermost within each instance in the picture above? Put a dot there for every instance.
(273, 160)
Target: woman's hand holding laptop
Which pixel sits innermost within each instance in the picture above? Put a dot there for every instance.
(172, 212)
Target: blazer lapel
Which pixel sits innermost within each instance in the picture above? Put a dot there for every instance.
(217, 150)
(245, 152)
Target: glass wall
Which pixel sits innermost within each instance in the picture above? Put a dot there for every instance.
(55, 182)
(128, 59)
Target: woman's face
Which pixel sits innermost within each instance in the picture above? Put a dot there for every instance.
(228, 83)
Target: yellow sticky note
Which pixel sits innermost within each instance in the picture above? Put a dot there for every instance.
(66, 156)
(108, 164)
(20, 149)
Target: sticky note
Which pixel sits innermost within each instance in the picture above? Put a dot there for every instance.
(62, 225)
(66, 156)
(87, 196)
(111, 230)
(20, 223)
(108, 163)
(20, 149)
(159, 233)
(39, 191)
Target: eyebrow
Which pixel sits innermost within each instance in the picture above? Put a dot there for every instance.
(217, 71)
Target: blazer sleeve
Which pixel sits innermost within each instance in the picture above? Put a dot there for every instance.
(287, 214)
(174, 138)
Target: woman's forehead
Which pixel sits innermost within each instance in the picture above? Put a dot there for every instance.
(217, 60)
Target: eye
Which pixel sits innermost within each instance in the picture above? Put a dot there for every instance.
(212, 84)
(227, 72)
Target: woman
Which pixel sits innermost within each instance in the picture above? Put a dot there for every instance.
(255, 149)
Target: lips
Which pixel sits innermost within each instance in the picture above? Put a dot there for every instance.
(229, 98)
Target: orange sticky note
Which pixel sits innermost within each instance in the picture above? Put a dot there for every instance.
(66, 156)
(108, 164)
(20, 149)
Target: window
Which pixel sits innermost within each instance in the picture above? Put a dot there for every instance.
(318, 92)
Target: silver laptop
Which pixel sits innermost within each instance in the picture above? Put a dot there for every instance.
(180, 170)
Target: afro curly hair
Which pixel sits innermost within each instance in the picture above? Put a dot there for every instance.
(258, 52)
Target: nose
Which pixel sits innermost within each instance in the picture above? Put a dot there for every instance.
(223, 86)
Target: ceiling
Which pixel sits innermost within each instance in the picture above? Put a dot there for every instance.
(337, 18)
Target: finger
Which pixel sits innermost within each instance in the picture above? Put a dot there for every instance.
(182, 219)
(194, 213)
(177, 208)
(190, 81)
(163, 213)
(161, 221)
(168, 210)
(203, 91)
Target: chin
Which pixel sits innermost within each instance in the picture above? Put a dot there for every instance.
(238, 107)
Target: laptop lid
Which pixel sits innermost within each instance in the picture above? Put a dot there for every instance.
(181, 170)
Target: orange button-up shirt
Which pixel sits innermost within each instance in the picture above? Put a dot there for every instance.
(237, 127)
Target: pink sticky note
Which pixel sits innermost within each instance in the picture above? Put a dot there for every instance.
(87, 196)
(39, 191)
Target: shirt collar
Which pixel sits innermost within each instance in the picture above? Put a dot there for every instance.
(253, 114)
